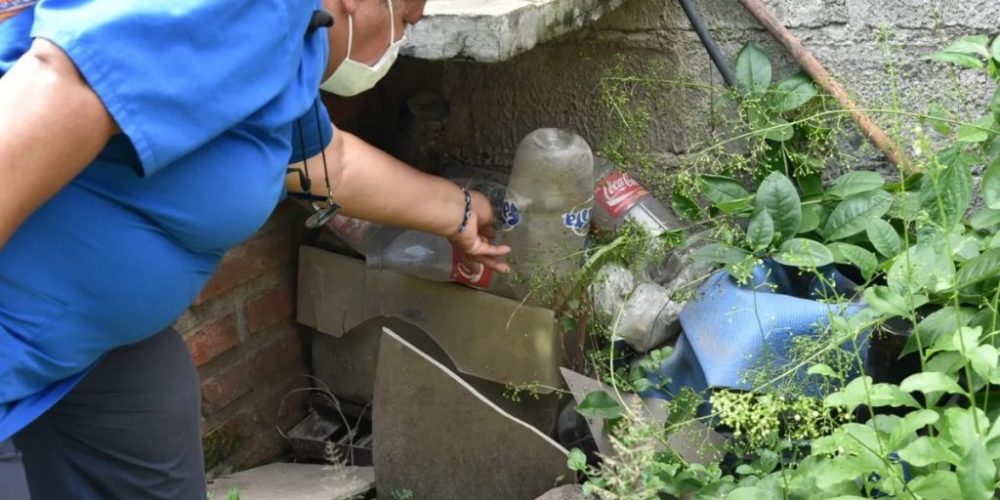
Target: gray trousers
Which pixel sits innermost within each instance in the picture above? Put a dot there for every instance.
(129, 430)
(12, 481)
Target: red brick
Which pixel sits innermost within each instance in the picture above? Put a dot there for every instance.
(280, 353)
(249, 260)
(237, 379)
(226, 385)
(270, 307)
(213, 339)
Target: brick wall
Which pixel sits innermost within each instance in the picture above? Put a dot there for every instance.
(249, 350)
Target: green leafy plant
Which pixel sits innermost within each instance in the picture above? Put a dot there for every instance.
(921, 242)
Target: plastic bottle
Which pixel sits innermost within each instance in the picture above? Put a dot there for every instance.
(546, 214)
(415, 253)
(620, 200)
(643, 314)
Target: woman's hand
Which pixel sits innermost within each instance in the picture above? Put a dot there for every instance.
(475, 241)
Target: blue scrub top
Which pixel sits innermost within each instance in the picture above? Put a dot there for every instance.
(207, 94)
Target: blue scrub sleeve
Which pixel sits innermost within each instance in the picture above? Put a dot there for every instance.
(311, 133)
(174, 74)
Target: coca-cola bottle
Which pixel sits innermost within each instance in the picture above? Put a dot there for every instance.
(546, 215)
(620, 200)
(415, 253)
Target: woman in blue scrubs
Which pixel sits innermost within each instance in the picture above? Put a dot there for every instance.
(139, 141)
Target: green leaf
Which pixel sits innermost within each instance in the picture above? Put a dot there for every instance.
(910, 424)
(772, 128)
(753, 69)
(887, 301)
(856, 182)
(961, 427)
(924, 266)
(937, 484)
(599, 404)
(981, 268)
(760, 231)
(720, 189)
(976, 474)
(853, 215)
(995, 49)
(995, 102)
(577, 460)
(865, 261)
(884, 238)
(821, 369)
(963, 60)
(984, 360)
(905, 206)
(860, 391)
(684, 206)
(811, 218)
(987, 217)
(962, 340)
(800, 252)
(720, 253)
(931, 382)
(926, 451)
(811, 184)
(947, 190)
(977, 131)
(777, 195)
(748, 493)
(794, 92)
(938, 117)
(972, 45)
(990, 185)
(942, 322)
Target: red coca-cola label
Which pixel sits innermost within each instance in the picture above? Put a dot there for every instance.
(473, 274)
(618, 192)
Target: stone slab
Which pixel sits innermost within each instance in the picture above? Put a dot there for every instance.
(496, 30)
(437, 437)
(486, 336)
(283, 481)
(694, 442)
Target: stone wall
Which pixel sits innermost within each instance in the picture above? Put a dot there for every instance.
(556, 84)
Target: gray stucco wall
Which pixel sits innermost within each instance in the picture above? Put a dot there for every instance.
(493, 105)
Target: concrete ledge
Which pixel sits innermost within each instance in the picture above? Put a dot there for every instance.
(496, 30)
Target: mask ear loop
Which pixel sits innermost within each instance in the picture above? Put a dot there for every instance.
(322, 215)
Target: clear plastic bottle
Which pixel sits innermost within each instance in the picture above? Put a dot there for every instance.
(620, 200)
(546, 214)
(643, 314)
(415, 253)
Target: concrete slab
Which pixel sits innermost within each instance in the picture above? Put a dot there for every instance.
(503, 341)
(496, 30)
(282, 481)
(437, 437)
(694, 442)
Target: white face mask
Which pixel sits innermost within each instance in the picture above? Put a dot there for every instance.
(352, 77)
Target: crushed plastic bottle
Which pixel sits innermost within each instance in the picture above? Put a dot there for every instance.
(620, 200)
(643, 314)
(546, 213)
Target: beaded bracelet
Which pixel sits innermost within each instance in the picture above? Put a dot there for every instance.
(468, 210)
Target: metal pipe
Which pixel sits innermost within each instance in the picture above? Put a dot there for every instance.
(720, 60)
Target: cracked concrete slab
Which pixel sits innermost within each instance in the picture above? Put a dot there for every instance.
(496, 30)
(438, 437)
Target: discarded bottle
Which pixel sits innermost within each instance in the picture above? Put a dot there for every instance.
(415, 253)
(620, 200)
(547, 210)
(643, 315)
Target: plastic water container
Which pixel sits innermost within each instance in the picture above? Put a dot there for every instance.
(547, 210)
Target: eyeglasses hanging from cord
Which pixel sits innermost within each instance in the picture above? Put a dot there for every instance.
(322, 214)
